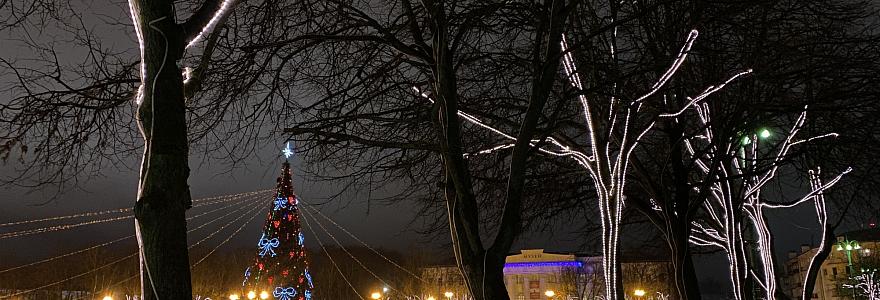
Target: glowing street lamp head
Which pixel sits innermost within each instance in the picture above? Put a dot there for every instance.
(108, 297)
(448, 294)
(252, 295)
(385, 289)
(764, 133)
(549, 293)
(264, 295)
(375, 295)
(746, 140)
(849, 247)
(639, 292)
(233, 297)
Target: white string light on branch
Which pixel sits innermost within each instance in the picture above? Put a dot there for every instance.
(735, 198)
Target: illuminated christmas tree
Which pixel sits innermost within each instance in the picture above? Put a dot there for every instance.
(281, 269)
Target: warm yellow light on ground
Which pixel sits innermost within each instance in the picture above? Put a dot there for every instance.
(233, 297)
(376, 295)
(639, 292)
(550, 293)
(108, 297)
(252, 295)
(448, 294)
(264, 295)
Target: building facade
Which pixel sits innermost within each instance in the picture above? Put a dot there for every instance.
(835, 271)
(535, 274)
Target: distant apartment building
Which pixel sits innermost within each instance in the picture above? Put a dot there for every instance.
(535, 274)
(834, 271)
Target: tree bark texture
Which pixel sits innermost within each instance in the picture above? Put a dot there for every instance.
(816, 263)
(163, 195)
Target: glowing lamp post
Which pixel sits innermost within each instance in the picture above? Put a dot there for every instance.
(848, 246)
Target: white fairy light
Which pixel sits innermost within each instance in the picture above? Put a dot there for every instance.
(867, 284)
(139, 98)
(221, 12)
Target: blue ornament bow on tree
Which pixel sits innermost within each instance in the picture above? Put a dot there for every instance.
(285, 293)
(309, 278)
(280, 203)
(267, 245)
(247, 274)
(308, 294)
(301, 239)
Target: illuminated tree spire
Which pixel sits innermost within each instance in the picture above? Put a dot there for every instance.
(281, 268)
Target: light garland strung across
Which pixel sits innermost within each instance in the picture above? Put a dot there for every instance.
(257, 213)
(121, 210)
(319, 213)
(253, 208)
(109, 243)
(330, 257)
(33, 231)
(19, 293)
(356, 260)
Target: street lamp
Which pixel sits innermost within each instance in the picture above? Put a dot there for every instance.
(549, 293)
(251, 295)
(848, 246)
(108, 297)
(448, 294)
(233, 297)
(639, 293)
(264, 295)
(764, 133)
(376, 295)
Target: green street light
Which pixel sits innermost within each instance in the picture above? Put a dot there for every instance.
(765, 133)
(849, 246)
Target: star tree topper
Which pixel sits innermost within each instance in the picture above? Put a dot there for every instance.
(287, 151)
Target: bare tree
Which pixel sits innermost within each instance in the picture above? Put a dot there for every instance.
(429, 46)
(85, 109)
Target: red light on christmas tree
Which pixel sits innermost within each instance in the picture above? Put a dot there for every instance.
(281, 266)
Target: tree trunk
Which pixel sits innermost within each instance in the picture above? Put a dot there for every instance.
(816, 263)
(486, 280)
(163, 195)
(686, 283)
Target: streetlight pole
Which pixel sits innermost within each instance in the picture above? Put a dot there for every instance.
(848, 246)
